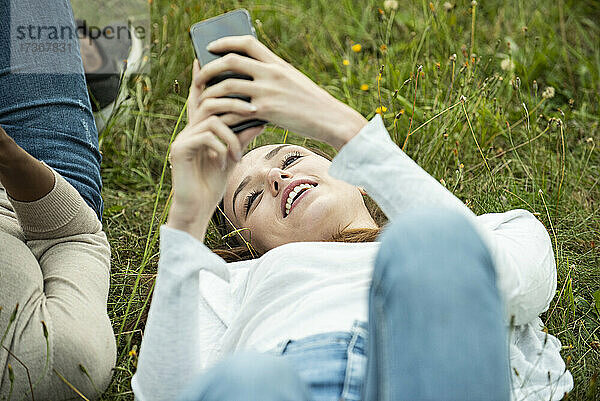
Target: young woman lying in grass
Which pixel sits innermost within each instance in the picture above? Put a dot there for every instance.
(437, 304)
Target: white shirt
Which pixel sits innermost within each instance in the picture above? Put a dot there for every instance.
(204, 308)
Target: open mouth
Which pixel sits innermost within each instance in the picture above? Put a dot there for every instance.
(305, 188)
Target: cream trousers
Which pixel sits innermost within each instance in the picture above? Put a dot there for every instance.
(54, 284)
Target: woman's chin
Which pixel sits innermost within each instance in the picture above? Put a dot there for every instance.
(313, 220)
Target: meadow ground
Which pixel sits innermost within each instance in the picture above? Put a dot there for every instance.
(498, 100)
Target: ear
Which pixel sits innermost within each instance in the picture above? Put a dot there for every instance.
(362, 191)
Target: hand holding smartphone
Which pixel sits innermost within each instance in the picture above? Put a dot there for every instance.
(233, 23)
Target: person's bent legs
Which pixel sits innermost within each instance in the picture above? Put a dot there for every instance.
(54, 326)
(436, 327)
(45, 105)
(248, 376)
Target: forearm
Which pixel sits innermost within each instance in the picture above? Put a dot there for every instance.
(349, 125)
(23, 176)
(172, 352)
(60, 213)
(397, 183)
(169, 355)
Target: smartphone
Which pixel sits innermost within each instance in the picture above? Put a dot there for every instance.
(233, 23)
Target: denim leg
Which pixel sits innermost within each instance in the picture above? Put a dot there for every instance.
(44, 103)
(248, 376)
(436, 328)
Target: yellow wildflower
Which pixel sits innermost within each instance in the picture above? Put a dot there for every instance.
(356, 47)
(346, 62)
(364, 87)
(381, 109)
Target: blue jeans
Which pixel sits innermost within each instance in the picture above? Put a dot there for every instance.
(435, 330)
(49, 113)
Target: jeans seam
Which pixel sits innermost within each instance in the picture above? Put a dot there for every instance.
(349, 365)
(382, 382)
(361, 327)
(300, 346)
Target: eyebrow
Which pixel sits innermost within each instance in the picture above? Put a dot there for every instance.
(247, 179)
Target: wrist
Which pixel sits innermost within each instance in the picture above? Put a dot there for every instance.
(188, 222)
(351, 124)
(26, 179)
(196, 230)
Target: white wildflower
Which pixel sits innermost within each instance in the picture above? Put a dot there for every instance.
(390, 4)
(507, 65)
(548, 93)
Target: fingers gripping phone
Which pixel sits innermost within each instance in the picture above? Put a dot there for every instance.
(233, 23)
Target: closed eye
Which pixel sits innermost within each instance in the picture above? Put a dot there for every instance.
(249, 200)
(254, 194)
(293, 155)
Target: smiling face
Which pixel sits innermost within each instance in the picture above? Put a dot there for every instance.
(267, 174)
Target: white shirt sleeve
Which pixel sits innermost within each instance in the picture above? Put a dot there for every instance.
(173, 351)
(518, 242)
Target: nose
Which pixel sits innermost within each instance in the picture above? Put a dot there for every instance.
(275, 179)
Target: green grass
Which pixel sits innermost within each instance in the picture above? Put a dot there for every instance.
(524, 150)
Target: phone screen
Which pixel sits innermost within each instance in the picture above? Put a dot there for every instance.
(233, 23)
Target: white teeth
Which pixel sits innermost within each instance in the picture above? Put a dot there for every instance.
(293, 194)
